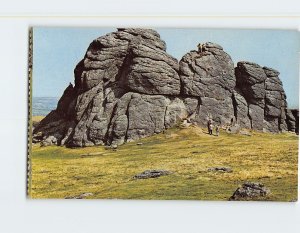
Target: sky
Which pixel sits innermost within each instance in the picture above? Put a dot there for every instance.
(56, 52)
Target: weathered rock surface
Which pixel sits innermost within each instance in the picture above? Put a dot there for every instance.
(241, 110)
(128, 87)
(38, 137)
(250, 81)
(49, 141)
(275, 102)
(220, 169)
(291, 121)
(151, 174)
(295, 113)
(209, 75)
(250, 191)
(235, 129)
(264, 98)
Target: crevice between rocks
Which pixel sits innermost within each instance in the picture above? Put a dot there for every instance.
(127, 114)
(234, 103)
(106, 137)
(249, 116)
(165, 117)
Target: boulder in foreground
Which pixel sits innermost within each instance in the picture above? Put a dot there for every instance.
(250, 191)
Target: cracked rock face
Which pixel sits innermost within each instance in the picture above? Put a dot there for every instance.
(209, 75)
(264, 98)
(275, 102)
(128, 87)
(292, 120)
(250, 191)
(250, 81)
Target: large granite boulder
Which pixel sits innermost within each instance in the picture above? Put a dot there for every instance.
(290, 120)
(295, 113)
(250, 191)
(209, 75)
(241, 110)
(125, 89)
(275, 102)
(264, 94)
(250, 81)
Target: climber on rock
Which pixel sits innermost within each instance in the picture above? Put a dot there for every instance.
(200, 48)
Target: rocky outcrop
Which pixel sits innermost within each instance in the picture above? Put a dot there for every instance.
(128, 87)
(152, 174)
(261, 94)
(250, 82)
(241, 110)
(250, 191)
(208, 74)
(295, 113)
(275, 99)
(292, 120)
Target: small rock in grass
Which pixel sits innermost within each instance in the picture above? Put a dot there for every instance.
(151, 174)
(250, 191)
(233, 129)
(51, 140)
(246, 133)
(220, 169)
(38, 137)
(139, 143)
(114, 146)
(81, 196)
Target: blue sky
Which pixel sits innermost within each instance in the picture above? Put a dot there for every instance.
(57, 51)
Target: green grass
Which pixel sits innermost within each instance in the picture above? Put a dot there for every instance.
(58, 172)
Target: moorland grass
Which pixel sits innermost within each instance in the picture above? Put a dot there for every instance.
(59, 172)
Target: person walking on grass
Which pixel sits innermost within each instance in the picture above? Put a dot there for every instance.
(217, 130)
(208, 125)
(210, 128)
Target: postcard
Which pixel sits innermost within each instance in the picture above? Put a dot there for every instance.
(163, 114)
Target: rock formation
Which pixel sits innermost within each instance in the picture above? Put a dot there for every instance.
(263, 93)
(250, 191)
(293, 120)
(127, 87)
(208, 75)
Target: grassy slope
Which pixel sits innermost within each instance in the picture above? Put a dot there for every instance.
(58, 172)
(37, 119)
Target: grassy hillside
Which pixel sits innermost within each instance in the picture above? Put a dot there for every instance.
(59, 172)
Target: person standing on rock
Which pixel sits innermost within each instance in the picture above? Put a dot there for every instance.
(200, 48)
